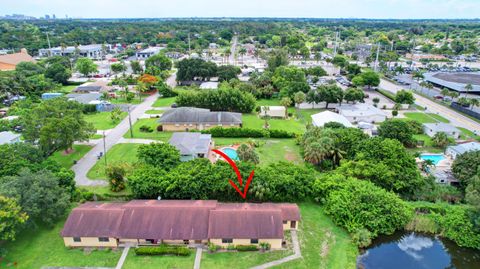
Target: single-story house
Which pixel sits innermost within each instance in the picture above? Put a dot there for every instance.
(431, 129)
(191, 145)
(9, 62)
(85, 98)
(191, 118)
(51, 95)
(148, 52)
(8, 137)
(362, 112)
(454, 151)
(272, 111)
(150, 222)
(209, 85)
(323, 117)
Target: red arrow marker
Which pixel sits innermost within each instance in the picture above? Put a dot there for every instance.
(239, 176)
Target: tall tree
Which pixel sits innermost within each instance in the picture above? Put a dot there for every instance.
(86, 66)
(11, 218)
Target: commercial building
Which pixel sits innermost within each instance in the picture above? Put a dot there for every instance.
(150, 222)
(455, 81)
(191, 118)
(148, 52)
(92, 51)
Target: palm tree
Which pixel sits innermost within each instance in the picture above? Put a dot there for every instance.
(440, 140)
(445, 92)
(314, 153)
(242, 52)
(429, 86)
(286, 102)
(227, 54)
(266, 117)
(426, 164)
(468, 88)
(474, 102)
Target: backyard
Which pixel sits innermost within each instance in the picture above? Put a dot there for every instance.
(153, 124)
(102, 120)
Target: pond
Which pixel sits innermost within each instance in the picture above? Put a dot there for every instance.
(405, 250)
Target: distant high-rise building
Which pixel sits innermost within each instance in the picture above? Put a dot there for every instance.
(53, 16)
(47, 17)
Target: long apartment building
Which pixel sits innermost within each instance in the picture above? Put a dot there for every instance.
(179, 222)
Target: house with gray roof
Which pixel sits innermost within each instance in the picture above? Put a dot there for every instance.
(9, 138)
(191, 145)
(454, 151)
(432, 129)
(191, 118)
(85, 98)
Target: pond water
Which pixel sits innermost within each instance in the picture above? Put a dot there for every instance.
(405, 250)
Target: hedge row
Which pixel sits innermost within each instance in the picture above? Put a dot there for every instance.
(247, 132)
(246, 247)
(162, 250)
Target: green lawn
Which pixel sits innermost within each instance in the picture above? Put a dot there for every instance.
(118, 153)
(66, 160)
(425, 117)
(36, 248)
(467, 134)
(164, 102)
(304, 115)
(291, 125)
(323, 245)
(158, 262)
(102, 120)
(153, 123)
(68, 88)
(154, 111)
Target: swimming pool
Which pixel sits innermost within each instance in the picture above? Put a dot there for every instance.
(232, 153)
(436, 158)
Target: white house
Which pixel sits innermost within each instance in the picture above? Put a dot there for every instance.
(431, 129)
(9, 138)
(272, 111)
(362, 112)
(148, 52)
(454, 151)
(321, 118)
(92, 51)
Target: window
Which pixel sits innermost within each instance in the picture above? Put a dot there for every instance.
(151, 241)
(77, 239)
(103, 239)
(186, 242)
(285, 221)
(227, 240)
(254, 241)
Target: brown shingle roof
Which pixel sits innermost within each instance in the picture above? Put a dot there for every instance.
(16, 58)
(179, 220)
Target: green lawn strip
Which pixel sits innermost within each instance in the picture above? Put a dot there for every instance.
(466, 134)
(41, 247)
(420, 117)
(291, 125)
(427, 140)
(305, 115)
(66, 160)
(268, 102)
(102, 120)
(240, 260)
(275, 150)
(438, 117)
(164, 102)
(155, 135)
(67, 88)
(96, 136)
(118, 153)
(323, 244)
(158, 262)
(154, 111)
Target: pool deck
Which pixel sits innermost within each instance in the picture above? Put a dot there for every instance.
(213, 157)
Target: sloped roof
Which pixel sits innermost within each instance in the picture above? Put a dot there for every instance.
(16, 58)
(183, 115)
(7, 137)
(465, 147)
(441, 127)
(324, 117)
(191, 143)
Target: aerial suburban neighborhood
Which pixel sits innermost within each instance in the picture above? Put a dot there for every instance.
(240, 136)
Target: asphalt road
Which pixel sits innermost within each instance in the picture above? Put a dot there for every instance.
(454, 117)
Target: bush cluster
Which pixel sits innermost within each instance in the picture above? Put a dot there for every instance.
(248, 132)
(163, 250)
(246, 247)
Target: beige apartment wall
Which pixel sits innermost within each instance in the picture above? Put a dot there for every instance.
(274, 243)
(286, 227)
(89, 242)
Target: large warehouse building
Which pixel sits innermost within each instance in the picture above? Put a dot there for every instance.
(455, 81)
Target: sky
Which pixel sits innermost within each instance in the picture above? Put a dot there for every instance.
(374, 9)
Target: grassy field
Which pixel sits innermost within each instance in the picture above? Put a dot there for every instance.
(158, 262)
(118, 153)
(68, 88)
(323, 245)
(34, 249)
(425, 117)
(290, 125)
(164, 102)
(467, 134)
(102, 120)
(153, 123)
(304, 115)
(66, 160)
(154, 111)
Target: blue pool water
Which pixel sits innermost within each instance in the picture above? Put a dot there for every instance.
(231, 153)
(436, 158)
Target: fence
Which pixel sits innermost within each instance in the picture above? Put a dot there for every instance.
(465, 110)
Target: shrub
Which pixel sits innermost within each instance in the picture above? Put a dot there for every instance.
(116, 176)
(89, 108)
(247, 132)
(264, 246)
(362, 238)
(146, 129)
(162, 250)
(212, 247)
(230, 247)
(246, 248)
(159, 128)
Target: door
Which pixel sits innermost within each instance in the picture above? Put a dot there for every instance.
(293, 224)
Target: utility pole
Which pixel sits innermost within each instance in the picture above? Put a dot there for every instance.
(336, 45)
(189, 43)
(130, 122)
(49, 47)
(105, 150)
(376, 57)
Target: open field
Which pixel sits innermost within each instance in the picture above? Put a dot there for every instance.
(102, 120)
(118, 153)
(66, 160)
